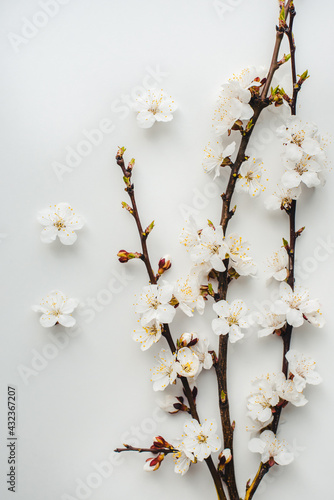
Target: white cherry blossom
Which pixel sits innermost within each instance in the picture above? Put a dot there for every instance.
(306, 170)
(60, 220)
(287, 391)
(249, 179)
(170, 404)
(231, 319)
(182, 459)
(154, 106)
(270, 322)
(272, 450)
(262, 400)
(282, 198)
(200, 347)
(187, 293)
(296, 305)
(214, 156)
(188, 363)
(200, 440)
(153, 304)
(210, 249)
(165, 372)
(56, 308)
(303, 369)
(147, 335)
(238, 253)
(299, 137)
(277, 265)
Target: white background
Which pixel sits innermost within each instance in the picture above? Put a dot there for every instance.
(64, 78)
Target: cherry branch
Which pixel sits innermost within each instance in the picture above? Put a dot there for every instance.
(258, 105)
(127, 173)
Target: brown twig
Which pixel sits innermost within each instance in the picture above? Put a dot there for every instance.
(166, 330)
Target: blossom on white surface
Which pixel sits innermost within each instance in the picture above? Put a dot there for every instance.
(189, 236)
(277, 265)
(165, 372)
(282, 198)
(306, 170)
(270, 322)
(56, 307)
(233, 103)
(182, 460)
(200, 440)
(272, 450)
(249, 179)
(153, 463)
(262, 400)
(238, 253)
(299, 137)
(170, 404)
(200, 347)
(210, 249)
(60, 220)
(231, 319)
(147, 335)
(153, 304)
(303, 369)
(215, 155)
(154, 106)
(187, 293)
(295, 305)
(188, 363)
(287, 390)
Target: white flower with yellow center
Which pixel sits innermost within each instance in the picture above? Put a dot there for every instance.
(60, 220)
(57, 308)
(299, 137)
(165, 372)
(200, 440)
(249, 179)
(233, 103)
(303, 369)
(154, 106)
(282, 198)
(200, 347)
(277, 265)
(262, 400)
(296, 305)
(148, 335)
(210, 250)
(181, 459)
(305, 170)
(187, 293)
(272, 450)
(231, 319)
(188, 363)
(153, 304)
(287, 390)
(215, 155)
(238, 253)
(270, 322)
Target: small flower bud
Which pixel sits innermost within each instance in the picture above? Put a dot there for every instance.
(224, 458)
(164, 264)
(131, 165)
(160, 442)
(120, 152)
(124, 256)
(153, 464)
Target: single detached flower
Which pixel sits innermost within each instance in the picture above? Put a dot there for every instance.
(60, 220)
(154, 106)
(282, 198)
(215, 154)
(56, 307)
(272, 450)
(153, 304)
(165, 372)
(200, 440)
(148, 335)
(231, 319)
(296, 305)
(249, 179)
(303, 370)
(277, 265)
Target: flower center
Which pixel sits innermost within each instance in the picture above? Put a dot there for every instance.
(186, 367)
(60, 224)
(202, 439)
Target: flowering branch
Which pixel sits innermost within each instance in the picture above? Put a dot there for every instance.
(127, 172)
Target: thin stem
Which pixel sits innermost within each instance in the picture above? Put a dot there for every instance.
(165, 451)
(166, 330)
(223, 281)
